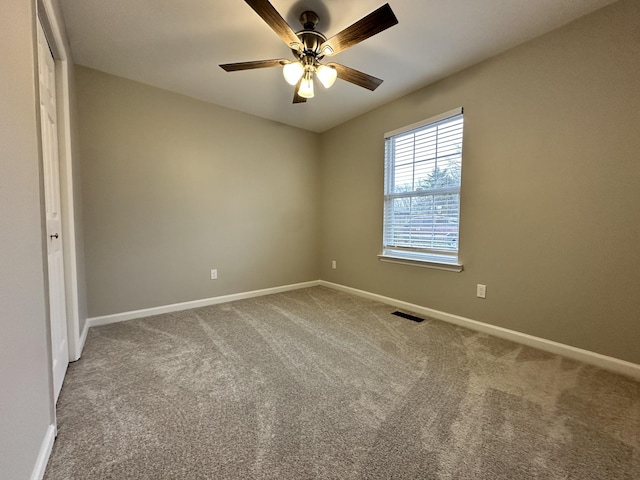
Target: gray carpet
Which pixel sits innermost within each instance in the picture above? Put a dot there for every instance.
(316, 383)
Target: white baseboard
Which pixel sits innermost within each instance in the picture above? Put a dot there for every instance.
(612, 364)
(43, 455)
(176, 307)
(608, 363)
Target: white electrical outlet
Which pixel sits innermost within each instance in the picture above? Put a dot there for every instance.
(214, 274)
(334, 264)
(481, 291)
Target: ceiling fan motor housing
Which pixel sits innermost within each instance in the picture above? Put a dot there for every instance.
(309, 38)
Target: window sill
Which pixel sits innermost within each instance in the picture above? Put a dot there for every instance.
(438, 265)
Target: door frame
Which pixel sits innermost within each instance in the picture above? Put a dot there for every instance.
(50, 17)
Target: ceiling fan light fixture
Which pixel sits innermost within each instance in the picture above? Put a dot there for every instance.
(327, 75)
(306, 86)
(292, 72)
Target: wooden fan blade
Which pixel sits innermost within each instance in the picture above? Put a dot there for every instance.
(234, 67)
(297, 98)
(356, 77)
(278, 24)
(366, 27)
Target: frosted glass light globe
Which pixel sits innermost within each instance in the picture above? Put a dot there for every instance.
(327, 75)
(292, 72)
(306, 87)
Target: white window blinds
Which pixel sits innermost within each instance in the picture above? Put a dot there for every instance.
(423, 167)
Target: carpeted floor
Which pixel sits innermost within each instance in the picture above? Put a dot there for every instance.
(316, 383)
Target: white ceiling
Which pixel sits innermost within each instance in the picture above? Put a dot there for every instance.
(177, 45)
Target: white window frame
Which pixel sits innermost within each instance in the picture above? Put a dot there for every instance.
(444, 260)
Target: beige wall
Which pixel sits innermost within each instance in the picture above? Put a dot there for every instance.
(550, 195)
(173, 187)
(25, 394)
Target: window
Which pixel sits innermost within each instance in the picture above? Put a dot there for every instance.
(423, 166)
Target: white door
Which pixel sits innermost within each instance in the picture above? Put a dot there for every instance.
(58, 311)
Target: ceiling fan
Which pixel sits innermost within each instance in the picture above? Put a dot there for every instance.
(309, 47)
